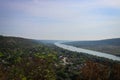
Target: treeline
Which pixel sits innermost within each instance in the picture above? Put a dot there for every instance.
(33, 61)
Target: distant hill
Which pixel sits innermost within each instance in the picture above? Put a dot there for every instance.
(51, 41)
(108, 45)
(115, 42)
(48, 41)
(10, 42)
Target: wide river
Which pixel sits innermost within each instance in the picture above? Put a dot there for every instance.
(91, 52)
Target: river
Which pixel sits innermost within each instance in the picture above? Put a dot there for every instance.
(91, 52)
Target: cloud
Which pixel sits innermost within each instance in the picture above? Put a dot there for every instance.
(65, 10)
(51, 18)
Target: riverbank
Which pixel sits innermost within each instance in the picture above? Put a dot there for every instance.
(95, 53)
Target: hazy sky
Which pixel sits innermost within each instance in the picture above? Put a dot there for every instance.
(60, 19)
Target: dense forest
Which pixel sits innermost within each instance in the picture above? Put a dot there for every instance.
(27, 59)
(111, 46)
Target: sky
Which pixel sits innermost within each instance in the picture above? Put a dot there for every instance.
(60, 19)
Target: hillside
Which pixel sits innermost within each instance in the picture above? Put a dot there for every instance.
(27, 59)
(16, 42)
(111, 46)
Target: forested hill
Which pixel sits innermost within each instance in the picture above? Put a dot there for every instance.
(17, 42)
(115, 41)
(27, 59)
(108, 45)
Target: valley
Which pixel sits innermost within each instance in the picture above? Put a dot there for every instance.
(28, 59)
(111, 46)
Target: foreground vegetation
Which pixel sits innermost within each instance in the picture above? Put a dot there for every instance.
(48, 62)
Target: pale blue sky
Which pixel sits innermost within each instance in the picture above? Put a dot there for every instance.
(60, 19)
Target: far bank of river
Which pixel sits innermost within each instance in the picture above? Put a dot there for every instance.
(91, 52)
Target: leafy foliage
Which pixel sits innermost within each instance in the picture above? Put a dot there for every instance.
(23, 59)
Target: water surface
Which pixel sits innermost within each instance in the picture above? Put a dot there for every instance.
(91, 52)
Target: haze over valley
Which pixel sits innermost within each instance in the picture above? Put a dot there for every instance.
(59, 39)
